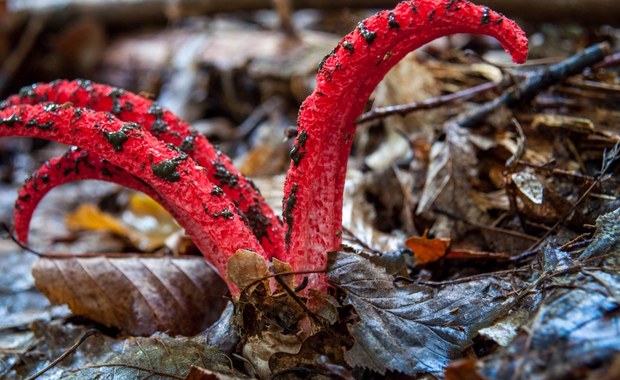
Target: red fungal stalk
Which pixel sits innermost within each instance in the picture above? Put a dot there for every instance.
(169, 128)
(210, 218)
(345, 80)
(75, 165)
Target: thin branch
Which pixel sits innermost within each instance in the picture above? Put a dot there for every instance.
(68, 352)
(484, 227)
(534, 84)
(404, 109)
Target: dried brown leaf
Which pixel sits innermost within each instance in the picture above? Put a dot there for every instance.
(140, 295)
(246, 267)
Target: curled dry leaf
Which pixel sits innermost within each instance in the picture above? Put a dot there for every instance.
(138, 295)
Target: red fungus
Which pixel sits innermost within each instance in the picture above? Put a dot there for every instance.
(345, 80)
(314, 184)
(210, 219)
(75, 165)
(169, 128)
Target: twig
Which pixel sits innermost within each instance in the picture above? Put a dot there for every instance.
(610, 60)
(258, 115)
(462, 279)
(482, 226)
(403, 109)
(68, 352)
(244, 291)
(535, 83)
(556, 171)
(521, 145)
(5, 227)
(137, 367)
(294, 296)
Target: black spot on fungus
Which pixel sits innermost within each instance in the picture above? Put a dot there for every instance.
(24, 198)
(452, 5)
(159, 125)
(414, 8)
(11, 121)
(27, 92)
(85, 84)
(217, 191)
(290, 132)
(431, 15)
(349, 46)
(42, 126)
(225, 176)
(368, 35)
(258, 222)
(188, 143)
(106, 172)
(45, 178)
(118, 138)
(225, 213)
(168, 169)
(251, 183)
(77, 113)
(486, 17)
(128, 106)
(288, 213)
(155, 110)
(322, 63)
(392, 21)
(115, 95)
(298, 152)
(51, 107)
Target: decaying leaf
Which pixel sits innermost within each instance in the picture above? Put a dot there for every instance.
(102, 357)
(427, 250)
(145, 223)
(140, 295)
(413, 329)
(258, 350)
(607, 235)
(157, 357)
(574, 330)
(246, 267)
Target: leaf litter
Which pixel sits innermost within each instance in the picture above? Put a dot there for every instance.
(569, 305)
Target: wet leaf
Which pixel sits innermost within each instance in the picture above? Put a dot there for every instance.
(139, 295)
(573, 331)
(607, 235)
(413, 329)
(102, 357)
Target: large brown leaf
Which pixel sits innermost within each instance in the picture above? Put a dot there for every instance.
(140, 295)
